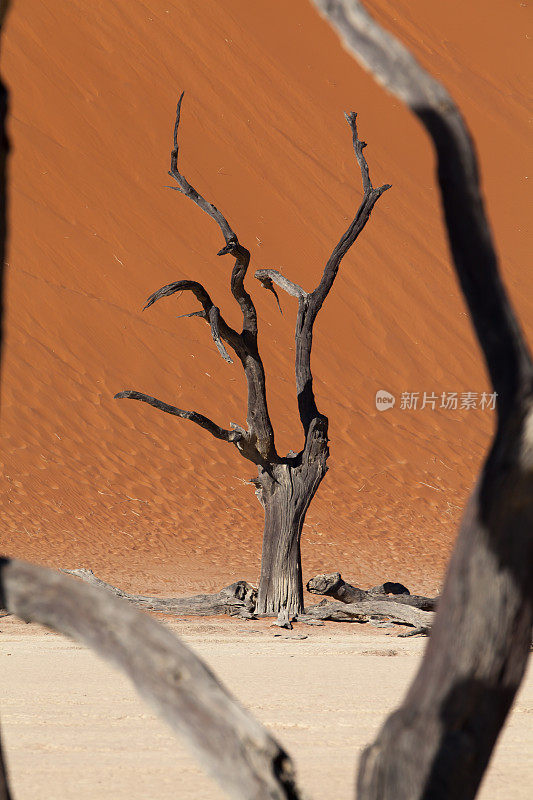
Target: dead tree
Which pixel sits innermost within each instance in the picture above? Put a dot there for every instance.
(285, 485)
(438, 743)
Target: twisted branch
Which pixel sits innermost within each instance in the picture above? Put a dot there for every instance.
(211, 313)
(199, 419)
(245, 345)
(184, 187)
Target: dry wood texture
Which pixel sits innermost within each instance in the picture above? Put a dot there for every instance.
(237, 598)
(333, 585)
(240, 599)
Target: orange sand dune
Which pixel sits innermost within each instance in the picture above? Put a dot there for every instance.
(153, 502)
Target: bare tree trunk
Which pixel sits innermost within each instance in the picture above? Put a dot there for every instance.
(286, 495)
(280, 584)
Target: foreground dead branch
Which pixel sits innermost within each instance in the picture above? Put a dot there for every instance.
(235, 749)
(438, 743)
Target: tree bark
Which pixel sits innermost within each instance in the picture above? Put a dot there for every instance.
(286, 492)
(280, 583)
(236, 599)
(286, 499)
(332, 585)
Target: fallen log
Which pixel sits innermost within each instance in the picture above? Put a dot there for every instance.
(235, 599)
(332, 585)
(239, 598)
(366, 610)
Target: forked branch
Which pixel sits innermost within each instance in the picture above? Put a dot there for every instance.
(257, 444)
(370, 198)
(233, 247)
(312, 304)
(211, 313)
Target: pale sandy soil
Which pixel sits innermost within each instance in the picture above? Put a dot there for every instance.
(75, 729)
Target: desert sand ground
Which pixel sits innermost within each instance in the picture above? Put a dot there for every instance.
(75, 729)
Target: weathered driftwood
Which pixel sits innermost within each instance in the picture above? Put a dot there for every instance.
(233, 746)
(332, 585)
(366, 610)
(240, 599)
(285, 485)
(234, 599)
(438, 743)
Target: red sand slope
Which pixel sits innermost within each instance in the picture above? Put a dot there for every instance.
(154, 502)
